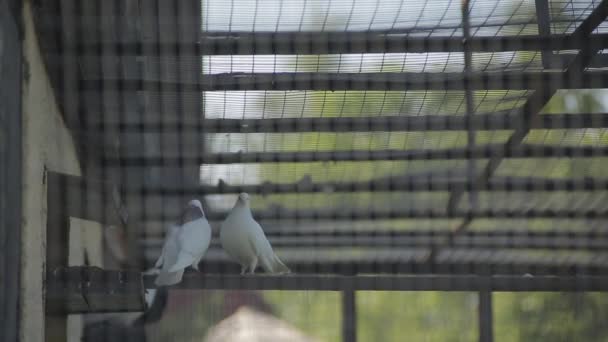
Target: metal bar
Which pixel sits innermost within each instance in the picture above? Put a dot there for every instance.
(303, 43)
(530, 111)
(327, 282)
(387, 81)
(479, 152)
(349, 316)
(405, 183)
(485, 317)
(544, 29)
(400, 122)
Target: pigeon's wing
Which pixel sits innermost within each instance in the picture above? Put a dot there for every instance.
(268, 260)
(169, 257)
(193, 242)
(169, 244)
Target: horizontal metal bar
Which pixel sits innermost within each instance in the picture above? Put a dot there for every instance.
(415, 183)
(406, 123)
(480, 152)
(502, 283)
(361, 81)
(277, 213)
(303, 43)
(574, 241)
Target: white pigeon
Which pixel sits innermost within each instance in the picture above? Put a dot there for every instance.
(185, 245)
(244, 240)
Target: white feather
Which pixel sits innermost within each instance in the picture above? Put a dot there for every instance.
(193, 241)
(184, 246)
(244, 240)
(167, 258)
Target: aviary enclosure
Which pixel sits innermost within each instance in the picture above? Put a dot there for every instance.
(428, 170)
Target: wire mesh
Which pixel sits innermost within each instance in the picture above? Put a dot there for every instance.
(385, 145)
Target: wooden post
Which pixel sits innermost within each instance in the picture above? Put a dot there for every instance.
(57, 237)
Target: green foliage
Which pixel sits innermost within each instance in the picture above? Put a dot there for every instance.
(550, 317)
(315, 313)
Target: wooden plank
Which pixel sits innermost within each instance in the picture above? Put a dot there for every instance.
(403, 183)
(478, 152)
(279, 213)
(10, 167)
(310, 282)
(305, 43)
(73, 290)
(515, 240)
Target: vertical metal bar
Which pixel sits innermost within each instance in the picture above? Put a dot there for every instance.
(349, 316)
(544, 29)
(486, 333)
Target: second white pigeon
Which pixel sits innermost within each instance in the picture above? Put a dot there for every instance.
(244, 240)
(185, 245)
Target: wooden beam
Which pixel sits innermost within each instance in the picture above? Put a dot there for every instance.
(400, 122)
(72, 290)
(404, 183)
(11, 176)
(543, 17)
(472, 240)
(278, 213)
(319, 43)
(478, 152)
(327, 282)
(384, 81)
(542, 94)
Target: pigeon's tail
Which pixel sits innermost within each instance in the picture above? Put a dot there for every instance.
(274, 265)
(184, 260)
(169, 278)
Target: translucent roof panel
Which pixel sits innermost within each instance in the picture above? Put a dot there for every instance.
(539, 200)
(373, 62)
(366, 141)
(378, 201)
(298, 104)
(327, 171)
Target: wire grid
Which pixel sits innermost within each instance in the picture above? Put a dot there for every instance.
(441, 18)
(157, 114)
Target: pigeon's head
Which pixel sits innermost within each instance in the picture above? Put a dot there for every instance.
(195, 204)
(244, 197)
